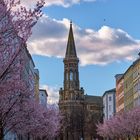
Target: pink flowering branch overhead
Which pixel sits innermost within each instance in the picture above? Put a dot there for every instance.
(19, 112)
(15, 29)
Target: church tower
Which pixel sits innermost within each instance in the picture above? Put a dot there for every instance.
(71, 96)
(81, 112)
(71, 89)
(71, 74)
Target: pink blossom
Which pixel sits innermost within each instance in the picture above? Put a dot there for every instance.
(19, 111)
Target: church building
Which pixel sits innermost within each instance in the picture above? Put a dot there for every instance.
(81, 112)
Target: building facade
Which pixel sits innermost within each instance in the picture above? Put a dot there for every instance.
(36, 84)
(128, 89)
(43, 97)
(30, 76)
(119, 93)
(136, 82)
(73, 103)
(109, 103)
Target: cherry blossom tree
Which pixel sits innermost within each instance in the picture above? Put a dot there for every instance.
(13, 89)
(48, 121)
(39, 121)
(133, 123)
(125, 125)
(15, 29)
(19, 112)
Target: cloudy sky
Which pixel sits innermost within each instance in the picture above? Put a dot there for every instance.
(107, 37)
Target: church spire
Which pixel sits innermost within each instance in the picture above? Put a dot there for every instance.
(71, 51)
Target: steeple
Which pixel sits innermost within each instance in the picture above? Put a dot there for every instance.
(71, 51)
(71, 88)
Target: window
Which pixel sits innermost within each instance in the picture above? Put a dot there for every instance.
(109, 107)
(75, 76)
(92, 107)
(71, 75)
(136, 88)
(67, 76)
(110, 98)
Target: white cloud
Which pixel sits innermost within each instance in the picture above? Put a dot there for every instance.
(100, 47)
(53, 93)
(89, 0)
(64, 3)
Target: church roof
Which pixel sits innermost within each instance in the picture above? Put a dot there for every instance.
(93, 99)
(71, 50)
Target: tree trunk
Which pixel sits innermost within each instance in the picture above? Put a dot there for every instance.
(137, 137)
(28, 136)
(129, 138)
(83, 133)
(1, 134)
(67, 134)
(91, 137)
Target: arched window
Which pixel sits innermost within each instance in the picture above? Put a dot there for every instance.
(67, 76)
(75, 74)
(71, 75)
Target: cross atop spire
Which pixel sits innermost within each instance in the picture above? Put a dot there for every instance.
(71, 51)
